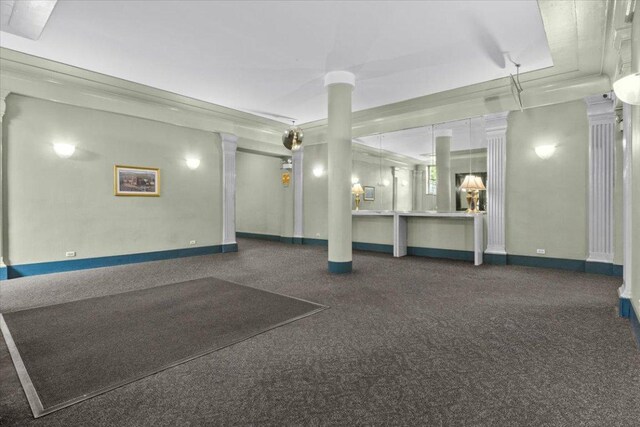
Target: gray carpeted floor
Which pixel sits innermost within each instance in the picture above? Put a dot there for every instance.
(406, 341)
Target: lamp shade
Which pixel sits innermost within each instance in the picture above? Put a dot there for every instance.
(357, 189)
(627, 89)
(471, 183)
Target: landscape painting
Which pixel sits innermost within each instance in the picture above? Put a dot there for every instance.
(136, 181)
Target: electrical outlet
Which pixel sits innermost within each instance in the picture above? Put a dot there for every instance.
(70, 253)
(192, 242)
(540, 251)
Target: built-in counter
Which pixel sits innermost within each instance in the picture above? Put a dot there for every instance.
(400, 227)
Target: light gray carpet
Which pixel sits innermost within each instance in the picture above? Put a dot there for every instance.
(407, 341)
(76, 350)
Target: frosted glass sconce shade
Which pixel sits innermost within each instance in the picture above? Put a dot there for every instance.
(318, 171)
(193, 163)
(627, 89)
(64, 151)
(545, 151)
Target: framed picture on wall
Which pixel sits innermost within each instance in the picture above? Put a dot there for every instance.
(369, 193)
(136, 181)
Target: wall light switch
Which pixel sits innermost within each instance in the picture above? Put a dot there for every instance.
(540, 251)
(192, 242)
(70, 253)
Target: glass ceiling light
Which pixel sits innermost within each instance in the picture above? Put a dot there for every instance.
(627, 89)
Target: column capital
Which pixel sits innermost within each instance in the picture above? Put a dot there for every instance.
(339, 77)
(229, 141)
(496, 123)
(3, 103)
(600, 107)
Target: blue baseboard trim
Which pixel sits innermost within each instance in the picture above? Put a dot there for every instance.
(373, 247)
(440, 253)
(4, 273)
(560, 263)
(298, 240)
(618, 270)
(315, 242)
(340, 267)
(624, 307)
(271, 237)
(494, 259)
(23, 270)
(635, 325)
(229, 247)
(598, 268)
(286, 239)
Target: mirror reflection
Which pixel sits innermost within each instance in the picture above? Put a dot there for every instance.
(440, 167)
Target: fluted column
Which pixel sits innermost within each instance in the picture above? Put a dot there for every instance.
(496, 134)
(443, 169)
(339, 84)
(298, 176)
(624, 291)
(229, 149)
(3, 225)
(602, 121)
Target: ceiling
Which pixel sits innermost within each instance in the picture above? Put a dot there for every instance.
(268, 58)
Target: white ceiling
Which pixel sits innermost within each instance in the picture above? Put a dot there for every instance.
(271, 56)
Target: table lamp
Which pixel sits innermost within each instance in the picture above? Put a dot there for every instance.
(472, 185)
(357, 190)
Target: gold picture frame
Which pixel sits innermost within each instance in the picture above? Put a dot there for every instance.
(136, 181)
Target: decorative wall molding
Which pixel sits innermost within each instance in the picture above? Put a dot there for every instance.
(602, 119)
(496, 134)
(28, 75)
(229, 149)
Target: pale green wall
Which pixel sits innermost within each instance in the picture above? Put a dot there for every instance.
(405, 192)
(56, 205)
(316, 192)
(259, 194)
(546, 200)
(373, 229)
(371, 174)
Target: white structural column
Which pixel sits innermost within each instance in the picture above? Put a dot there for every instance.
(298, 176)
(602, 120)
(496, 134)
(229, 149)
(339, 85)
(443, 169)
(419, 187)
(3, 267)
(627, 175)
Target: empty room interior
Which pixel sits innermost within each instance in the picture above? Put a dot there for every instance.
(320, 212)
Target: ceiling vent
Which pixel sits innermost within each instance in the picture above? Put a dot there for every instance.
(25, 18)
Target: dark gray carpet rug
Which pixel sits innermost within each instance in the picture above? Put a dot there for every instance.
(70, 352)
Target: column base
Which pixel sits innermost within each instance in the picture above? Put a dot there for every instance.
(340, 267)
(624, 307)
(4, 275)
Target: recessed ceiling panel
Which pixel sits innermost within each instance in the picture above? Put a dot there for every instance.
(269, 57)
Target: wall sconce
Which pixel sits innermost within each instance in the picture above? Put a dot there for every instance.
(193, 163)
(385, 182)
(318, 171)
(545, 151)
(64, 151)
(354, 180)
(627, 89)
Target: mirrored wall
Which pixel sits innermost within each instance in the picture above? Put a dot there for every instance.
(441, 167)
